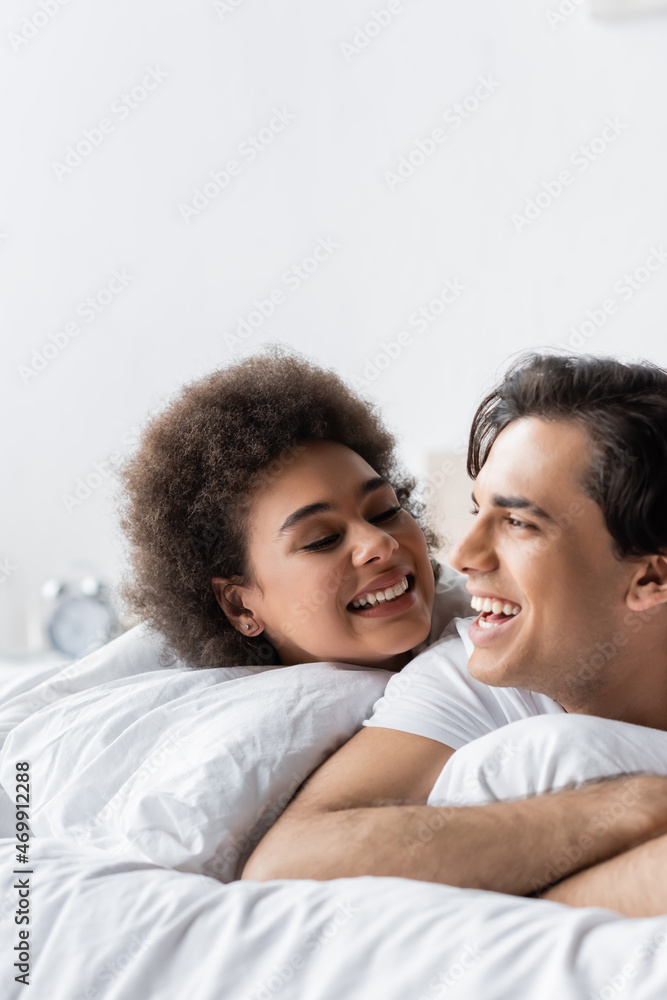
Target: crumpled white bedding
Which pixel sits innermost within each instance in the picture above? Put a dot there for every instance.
(183, 768)
(113, 929)
(112, 918)
(547, 753)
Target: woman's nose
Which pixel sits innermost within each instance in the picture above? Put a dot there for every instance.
(372, 542)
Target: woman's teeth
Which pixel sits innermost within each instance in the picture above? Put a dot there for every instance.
(380, 596)
(493, 605)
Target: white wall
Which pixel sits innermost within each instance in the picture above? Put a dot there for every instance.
(220, 70)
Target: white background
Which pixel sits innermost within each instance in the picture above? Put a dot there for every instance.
(360, 100)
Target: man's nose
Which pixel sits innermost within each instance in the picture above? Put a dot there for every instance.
(475, 552)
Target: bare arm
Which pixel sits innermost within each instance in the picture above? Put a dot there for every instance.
(634, 883)
(363, 812)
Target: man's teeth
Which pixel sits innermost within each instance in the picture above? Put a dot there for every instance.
(495, 606)
(380, 596)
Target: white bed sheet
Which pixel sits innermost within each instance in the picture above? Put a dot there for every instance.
(106, 926)
(113, 929)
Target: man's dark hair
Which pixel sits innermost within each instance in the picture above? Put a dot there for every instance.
(187, 490)
(623, 409)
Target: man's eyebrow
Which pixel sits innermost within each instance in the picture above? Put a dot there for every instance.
(518, 503)
(321, 507)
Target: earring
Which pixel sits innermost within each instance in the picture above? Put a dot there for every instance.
(246, 626)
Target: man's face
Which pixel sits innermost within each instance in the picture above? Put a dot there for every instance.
(540, 549)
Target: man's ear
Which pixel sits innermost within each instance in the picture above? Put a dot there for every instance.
(232, 595)
(648, 587)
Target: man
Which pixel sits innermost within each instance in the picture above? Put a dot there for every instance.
(567, 566)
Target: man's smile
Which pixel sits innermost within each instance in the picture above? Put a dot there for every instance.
(496, 614)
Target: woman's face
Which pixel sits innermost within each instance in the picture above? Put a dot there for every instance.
(338, 570)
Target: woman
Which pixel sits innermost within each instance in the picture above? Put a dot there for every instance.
(269, 523)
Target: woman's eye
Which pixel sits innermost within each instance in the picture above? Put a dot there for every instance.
(330, 540)
(387, 514)
(321, 543)
(473, 510)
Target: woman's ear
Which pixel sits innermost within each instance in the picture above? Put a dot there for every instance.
(231, 594)
(648, 587)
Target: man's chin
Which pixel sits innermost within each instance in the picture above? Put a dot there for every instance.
(488, 668)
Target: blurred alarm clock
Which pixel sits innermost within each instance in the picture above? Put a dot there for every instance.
(78, 615)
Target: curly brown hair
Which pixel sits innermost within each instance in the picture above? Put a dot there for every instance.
(188, 487)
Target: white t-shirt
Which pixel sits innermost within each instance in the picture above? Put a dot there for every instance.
(435, 696)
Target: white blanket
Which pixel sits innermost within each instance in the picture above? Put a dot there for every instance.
(108, 929)
(111, 918)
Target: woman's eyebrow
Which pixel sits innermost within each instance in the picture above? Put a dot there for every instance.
(371, 485)
(322, 507)
(302, 513)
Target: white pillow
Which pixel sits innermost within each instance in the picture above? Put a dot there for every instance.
(186, 768)
(546, 753)
(131, 750)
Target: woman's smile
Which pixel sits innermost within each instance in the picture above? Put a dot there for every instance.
(330, 524)
(384, 598)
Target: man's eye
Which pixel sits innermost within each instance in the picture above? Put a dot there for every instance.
(516, 523)
(387, 514)
(321, 543)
